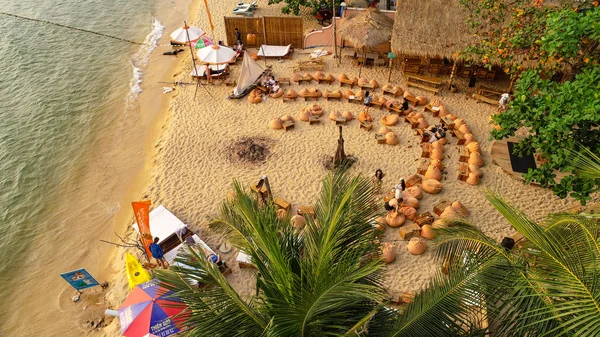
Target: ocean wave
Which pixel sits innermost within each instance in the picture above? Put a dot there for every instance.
(140, 60)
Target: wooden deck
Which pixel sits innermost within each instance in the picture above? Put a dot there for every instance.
(501, 157)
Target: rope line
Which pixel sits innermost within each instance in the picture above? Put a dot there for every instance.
(74, 28)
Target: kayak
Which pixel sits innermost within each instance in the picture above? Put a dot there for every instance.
(136, 274)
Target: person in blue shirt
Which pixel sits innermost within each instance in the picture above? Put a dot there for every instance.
(367, 101)
(158, 253)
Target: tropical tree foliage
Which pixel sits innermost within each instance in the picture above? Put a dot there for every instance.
(534, 42)
(294, 6)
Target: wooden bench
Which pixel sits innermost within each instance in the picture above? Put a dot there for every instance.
(330, 80)
(340, 120)
(448, 122)
(425, 150)
(413, 180)
(307, 80)
(423, 166)
(463, 171)
(424, 219)
(408, 231)
(392, 92)
(424, 136)
(349, 82)
(413, 122)
(354, 99)
(480, 98)
(380, 137)
(366, 125)
(379, 104)
(460, 136)
(314, 96)
(464, 154)
(282, 80)
(422, 86)
(308, 210)
(313, 120)
(288, 125)
(441, 206)
(412, 99)
(338, 97)
(281, 203)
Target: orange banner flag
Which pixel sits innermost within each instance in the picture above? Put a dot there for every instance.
(141, 210)
(212, 27)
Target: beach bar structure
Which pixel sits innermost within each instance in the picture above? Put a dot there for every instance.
(431, 29)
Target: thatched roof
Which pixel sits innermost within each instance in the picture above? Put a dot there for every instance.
(431, 28)
(369, 28)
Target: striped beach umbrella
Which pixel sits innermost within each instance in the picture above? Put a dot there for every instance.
(151, 310)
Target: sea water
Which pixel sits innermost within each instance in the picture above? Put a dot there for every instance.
(69, 138)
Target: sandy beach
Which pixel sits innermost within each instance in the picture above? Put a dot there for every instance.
(190, 172)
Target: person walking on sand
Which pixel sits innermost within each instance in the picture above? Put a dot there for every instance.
(367, 101)
(158, 253)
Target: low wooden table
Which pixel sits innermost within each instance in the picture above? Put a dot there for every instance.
(414, 124)
(435, 111)
(281, 203)
(289, 98)
(306, 210)
(448, 122)
(314, 96)
(413, 180)
(459, 135)
(341, 120)
(424, 219)
(423, 166)
(380, 137)
(441, 206)
(313, 120)
(464, 154)
(282, 80)
(425, 150)
(288, 125)
(338, 97)
(463, 172)
(354, 99)
(408, 231)
(366, 125)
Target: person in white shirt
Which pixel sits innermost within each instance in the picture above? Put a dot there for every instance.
(275, 88)
(504, 99)
(400, 187)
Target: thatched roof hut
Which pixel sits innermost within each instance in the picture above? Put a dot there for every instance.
(367, 29)
(432, 28)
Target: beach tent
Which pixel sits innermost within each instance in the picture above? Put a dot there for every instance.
(216, 54)
(180, 35)
(250, 74)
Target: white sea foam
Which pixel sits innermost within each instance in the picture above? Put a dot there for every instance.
(139, 61)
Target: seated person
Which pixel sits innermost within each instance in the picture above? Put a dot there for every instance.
(275, 87)
(392, 205)
(405, 105)
(264, 81)
(214, 258)
(432, 131)
(271, 81)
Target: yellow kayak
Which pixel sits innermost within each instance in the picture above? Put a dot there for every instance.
(136, 274)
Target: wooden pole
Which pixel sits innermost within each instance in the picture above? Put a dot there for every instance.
(512, 82)
(363, 61)
(390, 73)
(187, 33)
(335, 53)
(264, 39)
(452, 73)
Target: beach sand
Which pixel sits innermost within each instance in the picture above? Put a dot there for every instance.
(191, 173)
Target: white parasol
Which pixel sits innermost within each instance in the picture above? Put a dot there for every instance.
(216, 54)
(180, 35)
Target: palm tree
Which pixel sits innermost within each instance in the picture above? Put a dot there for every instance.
(325, 280)
(550, 287)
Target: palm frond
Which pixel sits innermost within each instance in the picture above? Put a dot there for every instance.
(210, 299)
(565, 265)
(586, 163)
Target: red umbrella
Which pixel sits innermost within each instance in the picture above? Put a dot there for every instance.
(151, 310)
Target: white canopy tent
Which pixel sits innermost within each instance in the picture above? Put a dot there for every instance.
(216, 54)
(250, 73)
(180, 35)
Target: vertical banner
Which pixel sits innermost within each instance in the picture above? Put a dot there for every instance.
(141, 210)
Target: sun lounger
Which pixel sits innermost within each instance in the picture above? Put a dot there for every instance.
(275, 51)
(216, 71)
(244, 260)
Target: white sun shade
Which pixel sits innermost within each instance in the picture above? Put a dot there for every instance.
(216, 54)
(180, 35)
